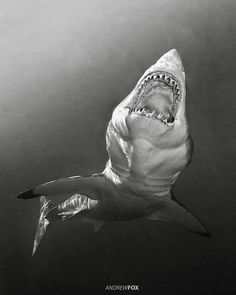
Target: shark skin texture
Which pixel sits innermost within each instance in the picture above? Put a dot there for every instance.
(148, 145)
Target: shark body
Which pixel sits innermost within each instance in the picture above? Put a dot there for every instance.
(148, 144)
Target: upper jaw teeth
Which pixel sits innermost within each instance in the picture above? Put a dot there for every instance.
(167, 78)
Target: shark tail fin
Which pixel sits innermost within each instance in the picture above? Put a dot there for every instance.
(43, 222)
(172, 211)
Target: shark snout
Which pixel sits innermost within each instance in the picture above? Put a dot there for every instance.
(171, 59)
(170, 62)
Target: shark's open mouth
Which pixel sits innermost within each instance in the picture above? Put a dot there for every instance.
(158, 97)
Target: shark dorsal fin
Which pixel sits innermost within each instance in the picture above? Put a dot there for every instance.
(172, 211)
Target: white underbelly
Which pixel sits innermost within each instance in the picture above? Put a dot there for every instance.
(155, 163)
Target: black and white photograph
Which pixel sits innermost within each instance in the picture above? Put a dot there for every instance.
(117, 147)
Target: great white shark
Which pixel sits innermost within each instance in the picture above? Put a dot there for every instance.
(148, 144)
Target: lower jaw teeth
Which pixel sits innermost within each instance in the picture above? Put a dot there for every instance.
(144, 112)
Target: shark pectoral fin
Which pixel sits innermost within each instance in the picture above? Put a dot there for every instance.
(172, 211)
(97, 224)
(69, 185)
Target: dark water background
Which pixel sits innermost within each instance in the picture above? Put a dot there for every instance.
(64, 66)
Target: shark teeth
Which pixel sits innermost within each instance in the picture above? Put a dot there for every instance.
(165, 77)
(170, 81)
(151, 114)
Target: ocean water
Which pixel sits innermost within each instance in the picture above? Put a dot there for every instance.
(64, 66)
